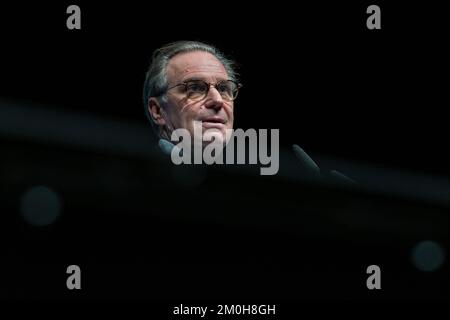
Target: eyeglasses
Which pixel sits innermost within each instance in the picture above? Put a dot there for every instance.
(198, 89)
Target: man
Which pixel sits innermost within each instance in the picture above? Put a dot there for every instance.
(190, 85)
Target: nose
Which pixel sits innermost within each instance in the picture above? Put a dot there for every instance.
(214, 99)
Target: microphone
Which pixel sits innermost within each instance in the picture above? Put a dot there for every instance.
(308, 163)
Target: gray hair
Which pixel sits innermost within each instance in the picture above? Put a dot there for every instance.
(156, 83)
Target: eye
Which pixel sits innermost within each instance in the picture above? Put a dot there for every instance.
(193, 87)
(226, 87)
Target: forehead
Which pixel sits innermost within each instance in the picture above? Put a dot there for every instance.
(195, 64)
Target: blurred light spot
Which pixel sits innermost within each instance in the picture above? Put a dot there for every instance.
(40, 206)
(428, 256)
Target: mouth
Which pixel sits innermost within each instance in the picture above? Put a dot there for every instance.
(214, 123)
(214, 120)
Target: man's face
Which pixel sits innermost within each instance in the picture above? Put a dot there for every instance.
(213, 111)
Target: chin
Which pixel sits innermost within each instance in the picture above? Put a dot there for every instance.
(214, 135)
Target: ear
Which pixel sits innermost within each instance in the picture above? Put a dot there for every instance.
(155, 111)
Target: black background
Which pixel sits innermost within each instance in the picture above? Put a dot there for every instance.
(312, 70)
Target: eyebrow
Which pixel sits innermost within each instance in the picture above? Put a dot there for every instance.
(201, 79)
(193, 79)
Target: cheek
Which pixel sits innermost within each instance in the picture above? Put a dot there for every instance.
(191, 112)
(230, 114)
(173, 110)
(185, 114)
(230, 124)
